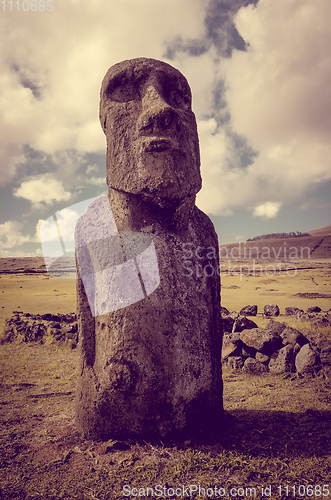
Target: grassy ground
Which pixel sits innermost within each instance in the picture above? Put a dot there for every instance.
(277, 432)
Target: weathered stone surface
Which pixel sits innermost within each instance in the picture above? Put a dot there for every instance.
(248, 352)
(254, 367)
(282, 361)
(292, 336)
(151, 368)
(292, 311)
(271, 310)
(313, 309)
(231, 345)
(263, 358)
(235, 362)
(250, 310)
(275, 326)
(224, 311)
(262, 340)
(296, 349)
(231, 337)
(228, 323)
(230, 349)
(243, 323)
(302, 316)
(324, 321)
(307, 361)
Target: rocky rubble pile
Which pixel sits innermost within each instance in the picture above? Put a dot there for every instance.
(277, 348)
(35, 328)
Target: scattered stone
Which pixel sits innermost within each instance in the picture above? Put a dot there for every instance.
(224, 311)
(292, 311)
(296, 349)
(254, 367)
(228, 323)
(243, 323)
(231, 337)
(275, 326)
(324, 321)
(302, 316)
(248, 352)
(271, 310)
(263, 358)
(235, 362)
(250, 310)
(307, 361)
(262, 340)
(292, 336)
(34, 328)
(230, 349)
(282, 361)
(313, 309)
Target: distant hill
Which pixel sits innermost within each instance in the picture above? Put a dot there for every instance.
(272, 236)
(321, 231)
(315, 245)
(17, 265)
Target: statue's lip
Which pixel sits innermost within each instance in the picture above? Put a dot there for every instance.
(160, 144)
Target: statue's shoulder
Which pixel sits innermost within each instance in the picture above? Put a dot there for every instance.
(204, 226)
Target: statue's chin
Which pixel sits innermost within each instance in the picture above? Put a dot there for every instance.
(161, 199)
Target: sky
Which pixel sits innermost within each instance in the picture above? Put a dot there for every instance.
(260, 74)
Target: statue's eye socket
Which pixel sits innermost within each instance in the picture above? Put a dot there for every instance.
(176, 95)
(123, 90)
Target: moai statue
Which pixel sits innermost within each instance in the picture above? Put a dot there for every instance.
(148, 290)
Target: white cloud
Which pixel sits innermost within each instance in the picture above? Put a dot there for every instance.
(267, 210)
(214, 148)
(10, 158)
(42, 191)
(279, 98)
(11, 235)
(63, 60)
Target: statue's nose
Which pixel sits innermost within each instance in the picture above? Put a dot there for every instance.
(157, 116)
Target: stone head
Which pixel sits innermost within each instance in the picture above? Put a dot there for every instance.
(152, 140)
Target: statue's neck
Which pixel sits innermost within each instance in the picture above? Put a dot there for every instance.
(133, 212)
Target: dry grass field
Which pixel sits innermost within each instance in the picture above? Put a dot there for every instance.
(277, 432)
(299, 284)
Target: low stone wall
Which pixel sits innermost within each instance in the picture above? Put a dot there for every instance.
(37, 327)
(277, 348)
